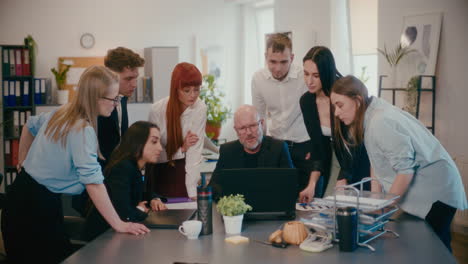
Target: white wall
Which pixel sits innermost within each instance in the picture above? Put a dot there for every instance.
(57, 25)
(452, 88)
(309, 20)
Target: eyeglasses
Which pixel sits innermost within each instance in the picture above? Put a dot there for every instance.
(195, 91)
(116, 100)
(252, 128)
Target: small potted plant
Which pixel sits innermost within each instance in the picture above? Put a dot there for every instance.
(233, 208)
(393, 57)
(61, 80)
(217, 113)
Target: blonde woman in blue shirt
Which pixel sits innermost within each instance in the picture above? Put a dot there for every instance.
(404, 155)
(60, 151)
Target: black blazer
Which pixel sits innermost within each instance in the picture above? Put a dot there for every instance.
(125, 187)
(354, 165)
(273, 154)
(320, 147)
(108, 131)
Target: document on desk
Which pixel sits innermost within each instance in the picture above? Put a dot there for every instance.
(364, 202)
(186, 205)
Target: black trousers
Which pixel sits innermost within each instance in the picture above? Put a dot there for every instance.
(298, 153)
(439, 218)
(32, 223)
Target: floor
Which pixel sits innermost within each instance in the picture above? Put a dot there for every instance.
(460, 247)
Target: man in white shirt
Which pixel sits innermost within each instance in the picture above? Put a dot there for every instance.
(275, 92)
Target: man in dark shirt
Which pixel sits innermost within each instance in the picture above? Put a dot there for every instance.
(125, 63)
(252, 150)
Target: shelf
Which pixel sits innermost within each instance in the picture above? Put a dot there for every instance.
(8, 113)
(29, 107)
(10, 138)
(47, 105)
(405, 89)
(419, 91)
(17, 78)
(19, 46)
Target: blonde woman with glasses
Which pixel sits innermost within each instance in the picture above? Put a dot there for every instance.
(60, 151)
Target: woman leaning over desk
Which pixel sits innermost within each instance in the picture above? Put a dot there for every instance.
(404, 155)
(181, 118)
(140, 145)
(320, 74)
(59, 150)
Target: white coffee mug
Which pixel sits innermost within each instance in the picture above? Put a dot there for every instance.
(191, 229)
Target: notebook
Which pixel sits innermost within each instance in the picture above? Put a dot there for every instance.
(168, 219)
(272, 192)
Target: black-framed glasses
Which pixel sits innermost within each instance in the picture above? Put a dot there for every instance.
(116, 100)
(252, 128)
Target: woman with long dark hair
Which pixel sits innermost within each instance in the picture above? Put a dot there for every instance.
(140, 145)
(181, 118)
(320, 74)
(405, 156)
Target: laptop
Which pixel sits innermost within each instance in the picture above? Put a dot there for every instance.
(272, 192)
(168, 219)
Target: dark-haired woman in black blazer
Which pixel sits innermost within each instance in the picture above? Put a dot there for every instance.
(319, 75)
(124, 181)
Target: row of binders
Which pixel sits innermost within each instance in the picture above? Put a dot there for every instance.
(14, 122)
(16, 62)
(19, 93)
(144, 91)
(10, 177)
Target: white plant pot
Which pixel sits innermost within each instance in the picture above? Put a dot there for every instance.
(62, 97)
(233, 224)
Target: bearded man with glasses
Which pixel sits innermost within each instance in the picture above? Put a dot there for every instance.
(253, 149)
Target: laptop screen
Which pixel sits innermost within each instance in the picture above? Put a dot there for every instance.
(168, 219)
(267, 190)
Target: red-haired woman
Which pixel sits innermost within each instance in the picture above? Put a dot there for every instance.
(181, 118)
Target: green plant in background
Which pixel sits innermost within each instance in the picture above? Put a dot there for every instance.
(61, 75)
(33, 49)
(217, 112)
(394, 56)
(364, 77)
(411, 99)
(233, 205)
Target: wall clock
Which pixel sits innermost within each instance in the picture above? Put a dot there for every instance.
(87, 40)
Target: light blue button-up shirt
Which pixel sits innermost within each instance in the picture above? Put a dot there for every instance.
(397, 143)
(62, 170)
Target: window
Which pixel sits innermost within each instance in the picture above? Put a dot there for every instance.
(363, 18)
(258, 21)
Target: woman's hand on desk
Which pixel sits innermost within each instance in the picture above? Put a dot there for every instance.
(307, 195)
(157, 205)
(142, 206)
(131, 228)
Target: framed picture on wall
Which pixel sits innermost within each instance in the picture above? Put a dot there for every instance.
(422, 33)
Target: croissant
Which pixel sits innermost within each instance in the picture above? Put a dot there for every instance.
(294, 232)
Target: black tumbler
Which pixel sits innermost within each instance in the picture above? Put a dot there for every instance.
(204, 203)
(347, 228)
